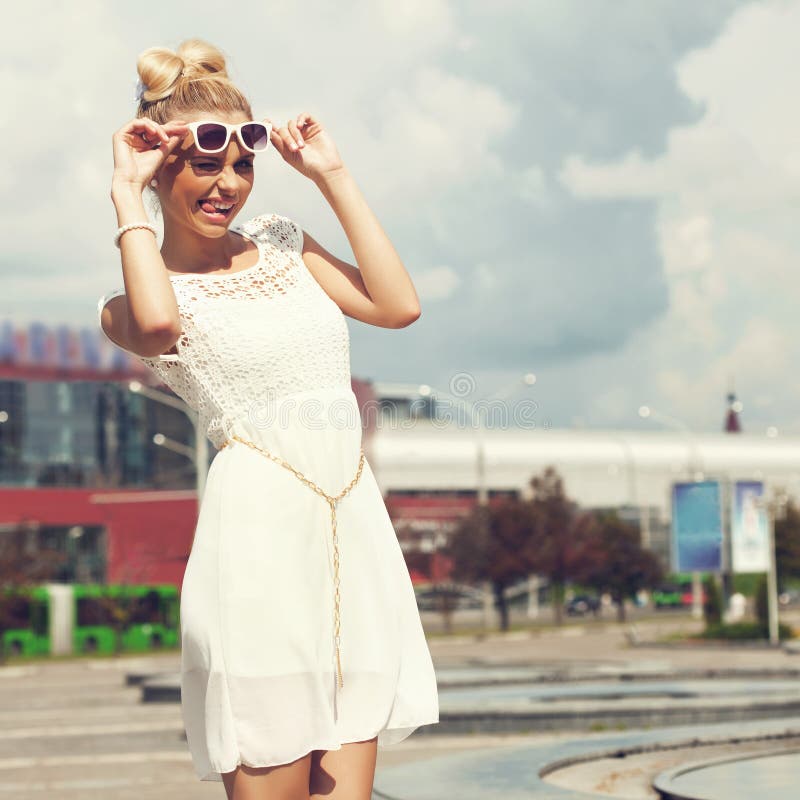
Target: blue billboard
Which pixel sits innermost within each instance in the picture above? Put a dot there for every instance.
(697, 527)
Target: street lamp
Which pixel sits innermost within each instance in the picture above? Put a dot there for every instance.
(480, 461)
(772, 509)
(695, 474)
(197, 454)
(694, 465)
(528, 379)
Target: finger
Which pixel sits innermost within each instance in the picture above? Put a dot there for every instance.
(288, 139)
(293, 130)
(171, 143)
(309, 124)
(179, 129)
(143, 134)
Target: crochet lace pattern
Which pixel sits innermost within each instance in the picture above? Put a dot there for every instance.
(258, 334)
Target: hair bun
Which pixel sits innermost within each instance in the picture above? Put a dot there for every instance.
(160, 68)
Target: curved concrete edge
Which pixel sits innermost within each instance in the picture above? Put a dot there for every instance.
(663, 782)
(516, 773)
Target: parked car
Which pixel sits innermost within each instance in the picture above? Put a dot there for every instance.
(582, 604)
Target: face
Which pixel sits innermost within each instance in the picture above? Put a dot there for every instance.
(189, 177)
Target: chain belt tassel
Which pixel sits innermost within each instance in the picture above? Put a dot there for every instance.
(331, 500)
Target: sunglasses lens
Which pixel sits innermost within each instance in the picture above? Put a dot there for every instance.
(211, 136)
(255, 136)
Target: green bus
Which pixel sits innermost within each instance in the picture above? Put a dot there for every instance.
(128, 618)
(27, 629)
(105, 618)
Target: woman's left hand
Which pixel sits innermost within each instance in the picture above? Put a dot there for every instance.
(305, 145)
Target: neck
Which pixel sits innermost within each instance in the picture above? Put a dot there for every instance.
(186, 248)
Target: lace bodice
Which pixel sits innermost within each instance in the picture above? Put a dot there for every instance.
(260, 333)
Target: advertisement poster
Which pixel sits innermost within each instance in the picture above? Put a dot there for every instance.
(696, 527)
(749, 532)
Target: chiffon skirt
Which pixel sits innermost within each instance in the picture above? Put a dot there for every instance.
(258, 665)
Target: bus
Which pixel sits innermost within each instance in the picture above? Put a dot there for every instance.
(27, 628)
(124, 617)
(103, 618)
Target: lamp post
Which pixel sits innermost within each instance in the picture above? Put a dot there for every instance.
(630, 469)
(694, 463)
(693, 467)
(197, 454)
(482, 490)
(528, 379)
(772, 509)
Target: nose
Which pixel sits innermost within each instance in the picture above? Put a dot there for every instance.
(227, 180)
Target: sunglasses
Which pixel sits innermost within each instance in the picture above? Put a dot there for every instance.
(213, 137)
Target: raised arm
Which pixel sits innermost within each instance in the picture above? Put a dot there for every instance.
(145, 319)
(379, 291)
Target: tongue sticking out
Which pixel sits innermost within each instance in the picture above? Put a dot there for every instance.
(207, 207)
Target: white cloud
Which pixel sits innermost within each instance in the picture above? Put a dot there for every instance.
(437, 283)
(723, 189)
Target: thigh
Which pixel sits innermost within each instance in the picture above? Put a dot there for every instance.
(279, 782)
(345, 774)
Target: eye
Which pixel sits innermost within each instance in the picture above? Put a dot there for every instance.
(247, 163)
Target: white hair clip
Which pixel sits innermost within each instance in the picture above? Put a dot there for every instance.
(140, 90)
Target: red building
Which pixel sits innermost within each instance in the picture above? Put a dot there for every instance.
(79, 470)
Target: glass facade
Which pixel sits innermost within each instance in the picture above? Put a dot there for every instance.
(90, 434)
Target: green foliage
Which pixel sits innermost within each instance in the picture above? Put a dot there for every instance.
(746, 583)
(741, 631)
(787, 543)
(508, 539)
(615, 560)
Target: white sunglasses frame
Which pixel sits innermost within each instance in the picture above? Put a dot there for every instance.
(229, 128)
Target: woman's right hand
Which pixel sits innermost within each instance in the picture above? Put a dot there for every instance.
(140, 148)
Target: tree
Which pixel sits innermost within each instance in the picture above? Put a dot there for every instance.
(617, 563)
(560, 543)
(493, 544)
(787, 542)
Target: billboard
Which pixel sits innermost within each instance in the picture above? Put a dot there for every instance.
(749, 531)
(697, 527)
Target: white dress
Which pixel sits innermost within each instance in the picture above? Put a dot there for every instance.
(264, 354)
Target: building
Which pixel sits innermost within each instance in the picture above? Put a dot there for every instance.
(81, 471)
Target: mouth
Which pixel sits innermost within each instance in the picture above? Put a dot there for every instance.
(214, 210)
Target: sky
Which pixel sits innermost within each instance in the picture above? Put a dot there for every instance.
(599, 192)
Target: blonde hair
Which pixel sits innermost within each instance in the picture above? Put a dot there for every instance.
(192, 78)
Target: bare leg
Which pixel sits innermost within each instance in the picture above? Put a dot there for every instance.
(345, 774)
(279, 782)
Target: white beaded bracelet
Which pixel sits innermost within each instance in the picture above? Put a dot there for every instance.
(130, 227)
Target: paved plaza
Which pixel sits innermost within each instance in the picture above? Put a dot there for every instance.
(73, 728)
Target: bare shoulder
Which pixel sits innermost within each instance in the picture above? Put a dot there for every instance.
(114, 316)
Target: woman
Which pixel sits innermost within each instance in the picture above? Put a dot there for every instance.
(302, 646)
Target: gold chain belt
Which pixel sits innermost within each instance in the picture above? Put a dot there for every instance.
(332, 500)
